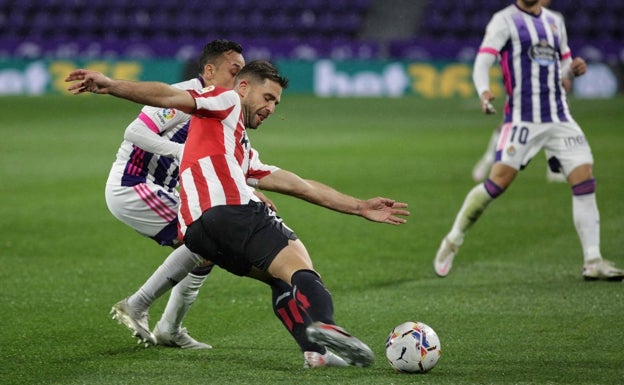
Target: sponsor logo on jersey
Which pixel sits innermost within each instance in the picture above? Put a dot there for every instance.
(542, 53)
(575, 141)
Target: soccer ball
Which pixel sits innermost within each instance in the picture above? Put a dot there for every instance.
(413, 347)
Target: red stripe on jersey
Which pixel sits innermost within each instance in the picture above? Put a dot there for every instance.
(185, 213)
(239, 136)
(201, 185)
(230, 188)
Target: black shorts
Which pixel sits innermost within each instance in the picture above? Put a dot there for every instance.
(239, 237)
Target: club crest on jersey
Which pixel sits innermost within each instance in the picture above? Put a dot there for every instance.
(207, 89)
(511, 151)
(553, 28)
(542, 53)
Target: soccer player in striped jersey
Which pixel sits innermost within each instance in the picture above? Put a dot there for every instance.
(482, 167)
(222, 220)
(533, 46)
(141, 191)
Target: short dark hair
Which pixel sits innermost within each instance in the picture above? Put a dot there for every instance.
(213, 50)
(262, 70)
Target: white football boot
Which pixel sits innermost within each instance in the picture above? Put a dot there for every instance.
(136, 321)
(602, 269)
(317, 360)
(444, 257)
(179, 339)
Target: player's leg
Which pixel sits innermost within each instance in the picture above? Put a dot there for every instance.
(482, 167)
(572, 151)
(296, 322)
(135, 307)
(152, 211)
(474, 205)
(292, 264)
(168, 330)
(587, 223)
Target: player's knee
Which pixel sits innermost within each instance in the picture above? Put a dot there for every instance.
(493, 189)
(586, 187)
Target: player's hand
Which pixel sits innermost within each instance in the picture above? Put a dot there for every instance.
(486, 103)
(578, 66)
(88, 81)
(384, 210)
(269, 203)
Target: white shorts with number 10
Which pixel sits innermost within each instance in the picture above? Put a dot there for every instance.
(519, 142)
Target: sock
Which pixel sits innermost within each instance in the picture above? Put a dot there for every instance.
(312, 297)
(294, 319)
(175, 267)
(587, 218)
(475, 203)
(182, 296)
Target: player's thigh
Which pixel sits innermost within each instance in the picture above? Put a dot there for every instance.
(290, 259)
(519, 142)
(568, 145)
(147, 208)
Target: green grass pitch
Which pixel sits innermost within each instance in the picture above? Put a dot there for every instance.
(513, 311)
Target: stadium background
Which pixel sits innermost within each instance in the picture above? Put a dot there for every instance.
(327, 47)
(514, 311)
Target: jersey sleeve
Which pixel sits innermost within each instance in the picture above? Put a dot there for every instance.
(145, 131)
(214, 102)
(257, 169)
(496, 35)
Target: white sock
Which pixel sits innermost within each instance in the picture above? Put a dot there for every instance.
(182, 297)
(475, 203)
(175, 267)
(587, 223)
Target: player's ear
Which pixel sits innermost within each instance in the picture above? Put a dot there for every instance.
(243, 87)
(209, 71)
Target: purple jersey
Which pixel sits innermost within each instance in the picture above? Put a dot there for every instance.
(531, 50)
(135, 165)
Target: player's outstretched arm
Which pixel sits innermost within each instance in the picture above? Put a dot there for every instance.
(375, 209)
(149, 93)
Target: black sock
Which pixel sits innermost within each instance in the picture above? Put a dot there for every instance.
(294, 319)
(312, 296)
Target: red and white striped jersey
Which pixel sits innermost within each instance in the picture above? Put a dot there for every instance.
(218, 165)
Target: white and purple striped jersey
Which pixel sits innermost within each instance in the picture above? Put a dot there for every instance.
(533, 50)
(134, 165)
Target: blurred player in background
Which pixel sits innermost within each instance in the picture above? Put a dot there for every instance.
(141, 192)
(533, 46)
(482, 167)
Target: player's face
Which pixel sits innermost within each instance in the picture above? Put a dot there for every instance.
(259, 101)
(227, 68)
